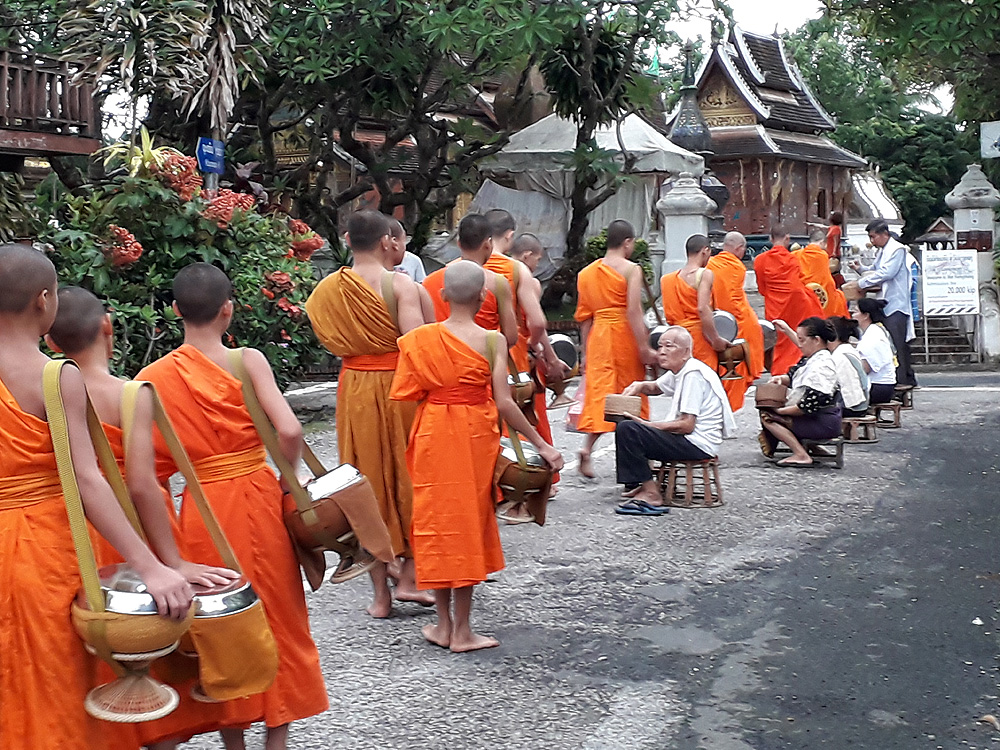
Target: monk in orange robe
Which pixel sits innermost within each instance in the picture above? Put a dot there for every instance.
(453, 448)
(353, 320)
(205, 402)
(779, 279)
(497, 311)
(729, 295)
(615, 340)
(834, 233)
(83, 332)
(815, 265)
(528, 250)
(687, 301)
(45, 672)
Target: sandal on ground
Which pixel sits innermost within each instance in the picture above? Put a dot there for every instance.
(786, 464)
(765, 447)
(641, 508)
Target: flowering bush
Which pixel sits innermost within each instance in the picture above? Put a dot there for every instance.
(304, 240)
(179, 173)
(155, 229)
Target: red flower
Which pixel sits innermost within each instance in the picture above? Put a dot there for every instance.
(292, 311)
(304, 240)
(125, 250)
(267, 292)
(221, 209)
(297, 226)
(179, 173)
(284, 335)
(280, 281)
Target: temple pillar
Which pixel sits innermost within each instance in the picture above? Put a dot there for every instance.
(973, 201)
(684, 211)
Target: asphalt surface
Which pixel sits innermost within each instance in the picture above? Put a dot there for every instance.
(817, 608)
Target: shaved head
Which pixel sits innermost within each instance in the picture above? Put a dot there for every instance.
(735, 243)
(463, 282)
(200, 291)
(79, 320)
(680, 336)
(24, 274)
(526, 244)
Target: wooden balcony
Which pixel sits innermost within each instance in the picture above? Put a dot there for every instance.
(42, 113)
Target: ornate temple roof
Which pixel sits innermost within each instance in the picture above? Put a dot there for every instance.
(756, 103)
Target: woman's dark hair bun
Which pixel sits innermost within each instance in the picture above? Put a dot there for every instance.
(816, 326)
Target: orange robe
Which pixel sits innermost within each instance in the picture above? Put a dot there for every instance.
(176, 669)
(728, 295)
(488, 316)
(680, 307)
(45, 673)
(815, 264)
(205, 403)
(612, 355)
(353, 322)
(779, 279)
(453, 449)
(501, 264)
(833, 235)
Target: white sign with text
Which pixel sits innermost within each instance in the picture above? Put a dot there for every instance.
(951, 282)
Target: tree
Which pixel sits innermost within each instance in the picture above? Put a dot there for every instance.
(946, 41)
(843, 68)
(920, 160)
(410, 68)
(595, 77)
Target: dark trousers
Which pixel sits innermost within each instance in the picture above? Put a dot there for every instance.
(881, 393)
(636, 445)
(896, 325)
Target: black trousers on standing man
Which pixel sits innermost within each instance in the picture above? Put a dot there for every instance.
(896, 325)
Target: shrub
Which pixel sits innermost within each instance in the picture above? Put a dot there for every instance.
(126, 239)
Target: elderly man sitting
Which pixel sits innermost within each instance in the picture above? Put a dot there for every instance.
(698, 420)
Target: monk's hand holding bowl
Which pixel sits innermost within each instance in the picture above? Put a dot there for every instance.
(721, 344)
(552, 457)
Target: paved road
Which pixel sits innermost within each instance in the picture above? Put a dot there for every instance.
(817, 608)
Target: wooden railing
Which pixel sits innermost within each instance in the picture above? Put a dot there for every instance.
(36, 94)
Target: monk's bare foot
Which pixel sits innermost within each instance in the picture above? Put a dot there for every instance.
(423, 598)
(472, 642)
(381, 608)
(438, 634)
(585, 467)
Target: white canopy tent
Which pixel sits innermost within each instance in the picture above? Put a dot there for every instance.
(536, 160)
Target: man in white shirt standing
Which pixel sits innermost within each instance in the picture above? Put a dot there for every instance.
(698, 420)
(891, 270)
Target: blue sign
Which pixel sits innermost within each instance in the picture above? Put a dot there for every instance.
(211, 156)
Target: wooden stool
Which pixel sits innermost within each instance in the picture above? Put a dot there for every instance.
(684, 486)
(889, 424)
(905, 394)
(860, 429)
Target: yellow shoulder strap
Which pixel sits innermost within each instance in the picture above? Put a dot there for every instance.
(184, 466)
(55, 413)
(269, 437)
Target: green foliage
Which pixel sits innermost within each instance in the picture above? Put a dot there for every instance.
(920, 160)
(17, 219)
(174, 233)
(597, 247)
(842, 66)
(945, 41)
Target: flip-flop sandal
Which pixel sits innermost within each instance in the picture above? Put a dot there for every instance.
(796, 465)
(641, 508)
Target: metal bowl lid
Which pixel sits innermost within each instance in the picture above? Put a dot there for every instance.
(565, 349)
(531, 455)
(225, 600)
(770, 335)
(726, 325)
(124, 591)
(333, 481)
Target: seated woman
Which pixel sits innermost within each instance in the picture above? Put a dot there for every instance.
(875, 349)
(812, 409)
(851, 376)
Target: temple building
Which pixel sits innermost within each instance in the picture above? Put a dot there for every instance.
(768, 142)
